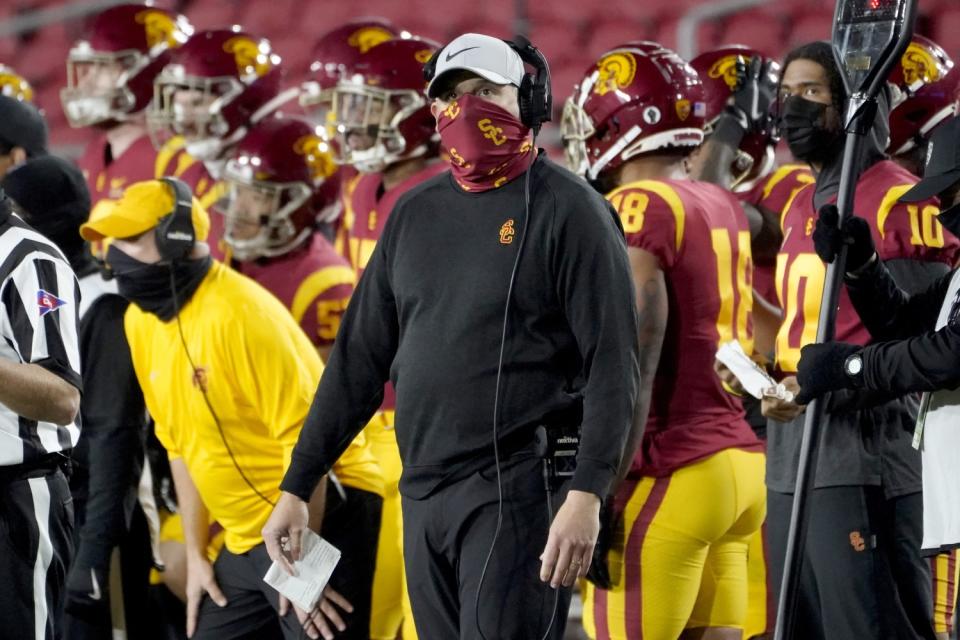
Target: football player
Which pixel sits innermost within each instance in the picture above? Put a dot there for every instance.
(694, 495)
(738, 152)
(384, 130)
(862, 574)
(281, 179)
(213, 90)
(13, 85)
(110, 76)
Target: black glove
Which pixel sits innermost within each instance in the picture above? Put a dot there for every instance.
(827, 238)
(756, 90)
(88, 596)
(822, 370)
(599, 573)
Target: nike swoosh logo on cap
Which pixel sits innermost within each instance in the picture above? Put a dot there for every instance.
(454, 55)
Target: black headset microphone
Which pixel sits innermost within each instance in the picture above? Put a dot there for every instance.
(535, 99)
(176, 237)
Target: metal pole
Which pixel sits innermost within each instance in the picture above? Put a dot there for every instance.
(816, 417)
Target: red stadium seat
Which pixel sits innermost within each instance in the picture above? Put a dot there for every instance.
(605, 35)
(816, 26)
(212, 14)
(761, 30)
(268, 18)
(707, 35)
(558, 42)
(946, 26)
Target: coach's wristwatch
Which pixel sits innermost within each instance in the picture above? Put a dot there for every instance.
(853, 366)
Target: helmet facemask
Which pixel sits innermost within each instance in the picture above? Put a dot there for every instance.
(575, 129)
(259, 213)
(191, 107)
(367, 121)
(96, 90)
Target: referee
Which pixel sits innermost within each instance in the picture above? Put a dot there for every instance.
(39, 402)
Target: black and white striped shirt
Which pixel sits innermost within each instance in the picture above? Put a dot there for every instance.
(39, 318)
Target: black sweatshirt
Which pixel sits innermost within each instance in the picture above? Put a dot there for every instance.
(428, 314)
(916, 357)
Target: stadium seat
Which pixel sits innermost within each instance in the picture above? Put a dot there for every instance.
(946, 26)
(605, 35)
(759, 29)
(810, 27)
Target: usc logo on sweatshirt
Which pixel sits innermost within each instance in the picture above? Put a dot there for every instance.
(507, 232)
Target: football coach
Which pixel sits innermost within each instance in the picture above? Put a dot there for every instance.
(499, 300)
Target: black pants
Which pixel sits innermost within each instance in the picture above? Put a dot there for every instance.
(141, 613)
(351, 525)
(862, 575)
(36, 534)
(446, 538)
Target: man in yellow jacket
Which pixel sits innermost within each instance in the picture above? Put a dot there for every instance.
(228, 376)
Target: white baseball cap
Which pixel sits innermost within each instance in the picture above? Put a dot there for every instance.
(486, 56)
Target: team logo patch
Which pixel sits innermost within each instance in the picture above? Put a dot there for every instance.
(857, 541)
(316, 153)
(726, 68)
(919, 66)
(368, 37)
(507, 232)
(251, 61)
(423, 56)
(651, 115)
(617, 71)
(683, 108)
(700, 109)
(160, 27)
(491, 132)
(47, 302)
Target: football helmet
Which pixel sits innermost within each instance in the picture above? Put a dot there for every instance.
(217, 85)
(13, 85)
(928, 93)
(718, 73)
(333, 52)
(637, 98)
(110, 73)
(281, 179)
(381, 113)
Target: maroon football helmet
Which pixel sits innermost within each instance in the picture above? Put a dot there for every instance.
(217, 85)
(333, 52)
(282, 182)
(638, 98)
(718, 73)
(928, 94)
(380, 109)
(110, 73)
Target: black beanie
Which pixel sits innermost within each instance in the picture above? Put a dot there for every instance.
(21, 125)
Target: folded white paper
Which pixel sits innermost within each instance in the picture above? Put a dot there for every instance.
(318, 559)
(754, 379)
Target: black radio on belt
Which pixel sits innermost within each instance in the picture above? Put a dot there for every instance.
(558, 447)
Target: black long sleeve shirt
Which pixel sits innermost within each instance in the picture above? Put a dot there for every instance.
(428, 314)
(915, 356)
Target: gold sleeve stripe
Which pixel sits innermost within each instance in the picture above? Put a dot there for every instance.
(315, 284)
(672, 198)
(793, 196)
(165, 156)
(889, 202)
(781, 173)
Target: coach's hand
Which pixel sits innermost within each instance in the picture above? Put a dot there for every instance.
(572, 537)
(200, 581)
(283, 532)
(318, 622)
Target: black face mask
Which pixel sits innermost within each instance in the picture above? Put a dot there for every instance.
(950, 219)
(148, 285)
(803, 123)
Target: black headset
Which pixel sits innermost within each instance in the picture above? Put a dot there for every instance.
(535, 95)
(175, 234)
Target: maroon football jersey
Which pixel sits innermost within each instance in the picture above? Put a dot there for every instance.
(904, 231)
(312, 281)
(366, 208)
(107, 176)
(701, 238)
(773, 193)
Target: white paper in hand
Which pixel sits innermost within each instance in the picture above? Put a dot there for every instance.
(318, 559)
(755, 380)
